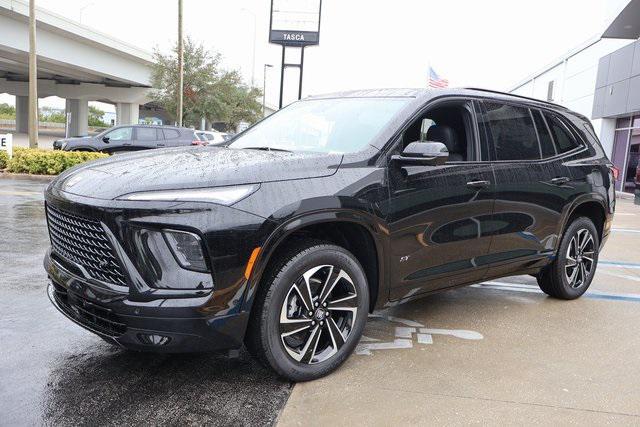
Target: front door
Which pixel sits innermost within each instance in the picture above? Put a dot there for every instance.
(117, 140)
(436, 214)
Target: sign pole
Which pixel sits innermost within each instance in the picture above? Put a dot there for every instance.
(301, 68)
(281, 78)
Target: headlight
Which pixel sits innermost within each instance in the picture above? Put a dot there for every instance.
(221, 195)
(187, 249)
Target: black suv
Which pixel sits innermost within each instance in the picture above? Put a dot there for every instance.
(131, 138)
(332, 207)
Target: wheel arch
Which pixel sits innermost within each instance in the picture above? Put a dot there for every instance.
(339, 227)
(83, 148)
(591, 206)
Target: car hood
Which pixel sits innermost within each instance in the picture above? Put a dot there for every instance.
(191, 167)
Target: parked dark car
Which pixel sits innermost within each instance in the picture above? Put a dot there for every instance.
(131, 138)
(328, 209)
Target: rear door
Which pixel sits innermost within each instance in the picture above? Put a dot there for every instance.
(172, 137)
(146, 138)
(533, 186)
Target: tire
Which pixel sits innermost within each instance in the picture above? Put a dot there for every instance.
(563, 280)
(319, 346)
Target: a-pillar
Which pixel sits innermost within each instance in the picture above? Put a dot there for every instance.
(79, 123)
(127, 113)
(22, 114)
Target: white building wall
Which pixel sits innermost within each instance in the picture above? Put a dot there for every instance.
(574, 77)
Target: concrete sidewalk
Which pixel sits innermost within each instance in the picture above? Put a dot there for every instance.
(524, 358)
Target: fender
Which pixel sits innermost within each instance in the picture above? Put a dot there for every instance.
(371, 223)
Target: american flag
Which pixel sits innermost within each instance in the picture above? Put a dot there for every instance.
(436, 81)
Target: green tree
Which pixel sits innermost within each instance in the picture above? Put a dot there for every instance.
(209, 91)
(48, 114)
(95, 117)
(7, 111)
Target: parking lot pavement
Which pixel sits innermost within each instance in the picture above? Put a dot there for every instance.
(497, 353)
(54, 372)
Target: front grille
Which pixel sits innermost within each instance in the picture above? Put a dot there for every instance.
(93, 316)
(84, 242)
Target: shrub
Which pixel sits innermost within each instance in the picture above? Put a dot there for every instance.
(4, 157)
(47, 162)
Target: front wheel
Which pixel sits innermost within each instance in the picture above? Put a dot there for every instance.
(311, 312)
(571, 273)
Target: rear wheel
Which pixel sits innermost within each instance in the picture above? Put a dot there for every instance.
(311, 312)
(571, 273)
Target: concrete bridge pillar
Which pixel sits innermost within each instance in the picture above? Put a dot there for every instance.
(127, 113)
(79, 109)
(22, 114)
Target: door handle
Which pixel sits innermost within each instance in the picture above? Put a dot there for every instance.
(160, 145)
(560, 180)
(478, 184)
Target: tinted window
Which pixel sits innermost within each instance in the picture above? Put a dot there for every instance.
(546, 143)
(120, 134)
(146, 134)
(170, 133)
(565, 141)
(512, 132)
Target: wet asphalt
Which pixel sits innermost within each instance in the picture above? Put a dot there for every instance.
(53, 372)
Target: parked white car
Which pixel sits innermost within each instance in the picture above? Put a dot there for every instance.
(213, 137)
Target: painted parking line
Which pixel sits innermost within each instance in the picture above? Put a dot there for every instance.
(624, 230)
(520, 287)
(622, 264)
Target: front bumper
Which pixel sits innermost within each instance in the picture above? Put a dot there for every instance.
(144, 326)
(147, 305)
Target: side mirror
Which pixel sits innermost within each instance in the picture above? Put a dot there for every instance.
(423, 153)
(105, 139)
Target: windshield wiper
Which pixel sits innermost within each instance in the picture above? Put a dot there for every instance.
(268, 149)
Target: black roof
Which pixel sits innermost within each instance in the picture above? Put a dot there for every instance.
(425, 94)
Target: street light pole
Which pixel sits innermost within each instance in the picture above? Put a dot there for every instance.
(180, 64)
(33, 78)
(264, 85)
(253, 62)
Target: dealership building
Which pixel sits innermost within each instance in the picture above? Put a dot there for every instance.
(601, 80)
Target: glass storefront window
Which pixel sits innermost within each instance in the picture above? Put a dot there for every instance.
(626, 152)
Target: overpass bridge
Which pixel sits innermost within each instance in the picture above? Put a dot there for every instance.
(74, 62)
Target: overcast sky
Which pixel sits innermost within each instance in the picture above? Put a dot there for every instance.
(365, 43)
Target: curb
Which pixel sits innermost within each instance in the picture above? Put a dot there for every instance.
(26, 176)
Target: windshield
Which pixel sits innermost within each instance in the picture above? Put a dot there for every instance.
(343, 125)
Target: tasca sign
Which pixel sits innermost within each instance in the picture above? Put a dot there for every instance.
(6, 143)
(295, 22)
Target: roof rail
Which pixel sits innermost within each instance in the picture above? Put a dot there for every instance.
(517, 96)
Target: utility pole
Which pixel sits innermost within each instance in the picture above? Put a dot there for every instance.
(264, 86)
(180, 64)
(33, 78)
